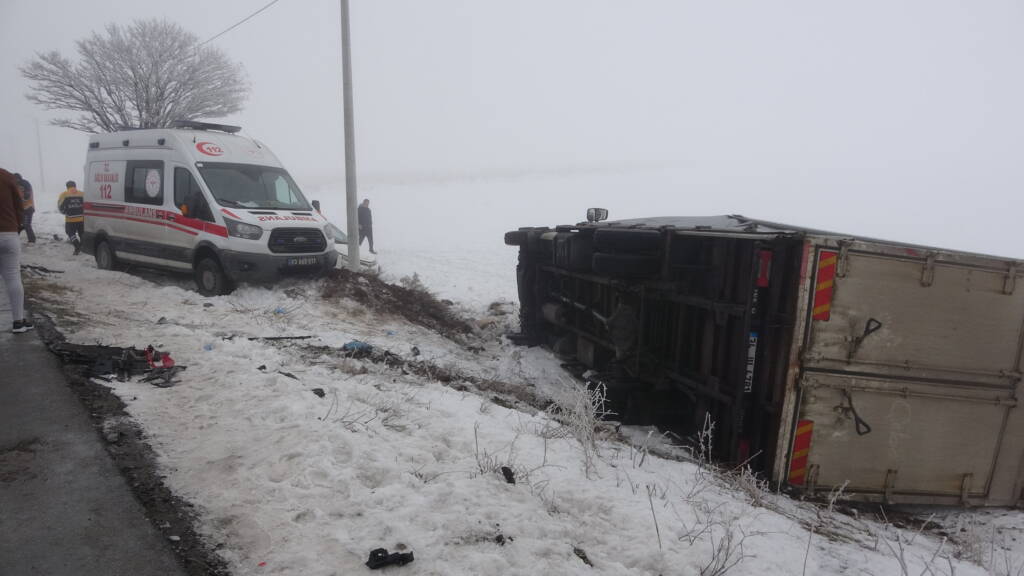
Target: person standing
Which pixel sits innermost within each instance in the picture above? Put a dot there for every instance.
(29, 204)
(11, 218)
(366, 224)
(71, 204)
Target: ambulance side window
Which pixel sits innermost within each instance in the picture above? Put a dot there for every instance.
(188, 192)
(145, 182)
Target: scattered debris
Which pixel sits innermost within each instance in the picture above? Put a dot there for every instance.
(513, 395)
(319, 392)
(501, 539)
(357, 349)
(509, 475)
(280, 337)
(582, 556)
(415, 351)
(107, 362)
(162, 368)
(380, 558)
(34, 270)
(262, 367)
(174, 538)
(207, 304)
(501, 308)
(288, 374)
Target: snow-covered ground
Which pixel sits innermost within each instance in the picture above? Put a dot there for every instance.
(291, 483)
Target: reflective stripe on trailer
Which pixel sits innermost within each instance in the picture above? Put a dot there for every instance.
(824, 285)
(801, 450)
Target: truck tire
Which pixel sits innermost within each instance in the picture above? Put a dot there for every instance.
(105, 259)
(619, 240)
(627, 265)
(210, 278)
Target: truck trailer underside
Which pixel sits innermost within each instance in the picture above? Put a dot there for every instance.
(821, 359)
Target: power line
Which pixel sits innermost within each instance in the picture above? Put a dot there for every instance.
(237, 24)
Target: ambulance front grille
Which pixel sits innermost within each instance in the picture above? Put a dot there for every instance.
(296, 240)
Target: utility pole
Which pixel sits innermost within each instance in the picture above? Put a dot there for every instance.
(350, 143)
(39, 150)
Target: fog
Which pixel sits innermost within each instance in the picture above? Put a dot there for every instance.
(894, 120)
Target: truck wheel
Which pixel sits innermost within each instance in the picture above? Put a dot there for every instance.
(105, 259)
(626, 240)
(210, 278)
(515, 238)
(629, 265)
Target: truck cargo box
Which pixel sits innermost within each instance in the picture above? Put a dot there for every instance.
(822, 358)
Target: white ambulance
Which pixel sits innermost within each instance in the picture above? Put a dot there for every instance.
(201, 198)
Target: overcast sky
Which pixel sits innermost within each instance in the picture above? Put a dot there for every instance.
(899, 119)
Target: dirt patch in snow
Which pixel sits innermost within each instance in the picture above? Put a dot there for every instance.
(413, 302)
(136, 460)
(507, 395)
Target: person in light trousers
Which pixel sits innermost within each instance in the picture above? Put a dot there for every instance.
(12, 214)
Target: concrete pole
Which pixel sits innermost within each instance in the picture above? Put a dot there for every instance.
(39, 150)
(351, 202)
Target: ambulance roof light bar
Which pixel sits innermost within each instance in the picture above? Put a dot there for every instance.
(193, 125)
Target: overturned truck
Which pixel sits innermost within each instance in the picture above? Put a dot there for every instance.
(822, 359)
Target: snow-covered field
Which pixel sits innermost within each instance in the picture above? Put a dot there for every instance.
(291, 483)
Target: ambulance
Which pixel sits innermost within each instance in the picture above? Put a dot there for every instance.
(199, 198)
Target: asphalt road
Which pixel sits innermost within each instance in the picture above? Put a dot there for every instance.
(64, 507)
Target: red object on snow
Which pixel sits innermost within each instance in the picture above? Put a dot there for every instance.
(153, 356)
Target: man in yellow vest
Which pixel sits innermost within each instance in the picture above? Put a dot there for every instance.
(71, 204)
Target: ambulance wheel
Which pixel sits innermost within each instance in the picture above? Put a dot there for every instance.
(210, 278)
(105, 259)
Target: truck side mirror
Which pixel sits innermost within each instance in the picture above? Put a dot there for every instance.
(597, 214)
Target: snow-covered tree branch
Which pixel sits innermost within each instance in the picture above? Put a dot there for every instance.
(143, 75)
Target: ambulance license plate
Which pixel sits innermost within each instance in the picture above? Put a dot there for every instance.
(302, 261)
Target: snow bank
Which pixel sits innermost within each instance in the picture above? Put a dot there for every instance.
(287, 482)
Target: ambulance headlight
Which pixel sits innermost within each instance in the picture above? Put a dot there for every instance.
(328, 233)
(243, 230)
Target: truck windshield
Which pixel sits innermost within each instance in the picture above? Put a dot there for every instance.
(251, 186)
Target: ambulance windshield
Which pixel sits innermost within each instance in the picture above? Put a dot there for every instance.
(250, 186)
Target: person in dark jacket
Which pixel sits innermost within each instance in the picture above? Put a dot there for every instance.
(366, 224)
(29, 204)
(11, 218)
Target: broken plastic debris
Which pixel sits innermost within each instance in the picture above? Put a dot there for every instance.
(356, 346)
(380, 558)
(510, 476)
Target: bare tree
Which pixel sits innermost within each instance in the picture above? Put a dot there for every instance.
(144, 75)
